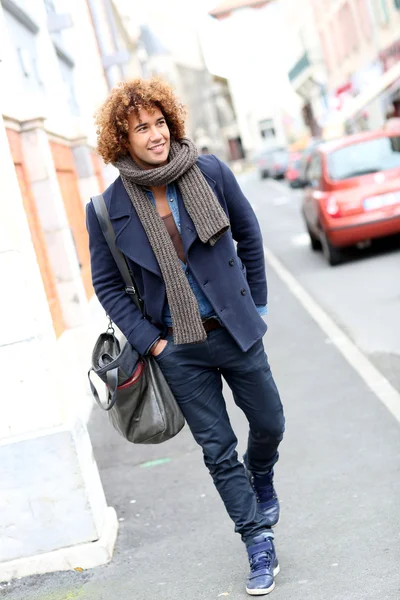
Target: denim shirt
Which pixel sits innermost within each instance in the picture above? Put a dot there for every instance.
(205, 308)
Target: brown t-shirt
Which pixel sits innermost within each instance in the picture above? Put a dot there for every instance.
(172, 229)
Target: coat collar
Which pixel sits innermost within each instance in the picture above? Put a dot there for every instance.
(120, 204)
(130, 236)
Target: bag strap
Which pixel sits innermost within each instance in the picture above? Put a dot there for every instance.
(108, 231)
(112, 385)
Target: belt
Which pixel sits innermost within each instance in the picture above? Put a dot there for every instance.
(208, 325)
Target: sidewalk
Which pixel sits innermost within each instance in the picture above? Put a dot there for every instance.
(338, 480)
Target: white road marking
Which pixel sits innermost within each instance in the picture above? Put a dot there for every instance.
(381, 387)
(279, 186)
(302, 239)
(279, 200)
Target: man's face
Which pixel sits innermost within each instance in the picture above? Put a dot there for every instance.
(149, 138)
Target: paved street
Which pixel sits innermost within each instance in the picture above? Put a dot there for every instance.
(339, 473)
(362, 295)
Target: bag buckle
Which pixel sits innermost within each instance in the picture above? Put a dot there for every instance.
(110, 328)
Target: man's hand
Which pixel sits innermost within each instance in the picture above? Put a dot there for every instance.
(158, 347)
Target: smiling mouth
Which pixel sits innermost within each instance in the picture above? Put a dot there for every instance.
(158, 147)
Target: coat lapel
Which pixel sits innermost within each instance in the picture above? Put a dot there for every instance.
(188, 230)
(130, 236)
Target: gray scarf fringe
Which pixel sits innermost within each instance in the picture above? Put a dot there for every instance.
(203, 208)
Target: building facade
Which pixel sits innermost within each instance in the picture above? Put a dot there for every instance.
(360, 40)
(53, 510)
(307, 71)
(168, 46)
(256, 66)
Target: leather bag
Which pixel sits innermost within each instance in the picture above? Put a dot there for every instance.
(139, 400)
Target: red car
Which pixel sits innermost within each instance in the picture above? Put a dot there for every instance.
(292, 174)
(352, 191)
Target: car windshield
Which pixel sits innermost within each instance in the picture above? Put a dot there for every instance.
(364, 157)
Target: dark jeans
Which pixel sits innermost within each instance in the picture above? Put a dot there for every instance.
(194, 373)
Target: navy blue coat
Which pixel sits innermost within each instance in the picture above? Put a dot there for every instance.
(233, 279)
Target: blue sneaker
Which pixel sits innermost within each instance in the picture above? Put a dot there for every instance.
(268, 503)
(263, 566)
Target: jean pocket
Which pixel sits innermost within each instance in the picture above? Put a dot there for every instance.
(165, 351)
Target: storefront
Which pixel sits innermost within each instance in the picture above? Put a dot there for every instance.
(308, 80)
(369, 97)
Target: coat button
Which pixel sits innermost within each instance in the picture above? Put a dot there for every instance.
(231, 262)
(243, 292)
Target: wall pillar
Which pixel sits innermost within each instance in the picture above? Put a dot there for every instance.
(52, 215)
(53, 512)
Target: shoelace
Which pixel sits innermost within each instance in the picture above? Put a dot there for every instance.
(261, 560)
(265, 492)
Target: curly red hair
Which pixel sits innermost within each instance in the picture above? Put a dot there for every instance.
(130, 96)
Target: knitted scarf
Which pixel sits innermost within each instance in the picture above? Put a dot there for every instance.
(206, 213)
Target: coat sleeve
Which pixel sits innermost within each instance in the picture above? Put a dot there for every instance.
(247, 233)
(110, 289)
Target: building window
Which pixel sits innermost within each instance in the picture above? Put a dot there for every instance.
(381, 9)
(267, 129)
(67, 74)
(24, 51)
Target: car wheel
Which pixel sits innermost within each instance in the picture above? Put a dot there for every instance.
(314, 241)
(332, 253)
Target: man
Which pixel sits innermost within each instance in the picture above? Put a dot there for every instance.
(176, 217)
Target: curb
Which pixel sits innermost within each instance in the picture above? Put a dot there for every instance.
(83, 556)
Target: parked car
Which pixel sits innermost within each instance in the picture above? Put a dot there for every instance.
(293, 170)
(352, 191)
(279, 163)
(266, 160)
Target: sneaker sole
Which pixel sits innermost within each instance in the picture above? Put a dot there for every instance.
(265, 591)
(275, 524)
